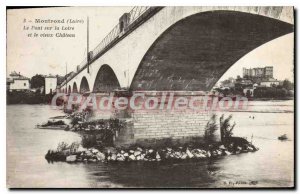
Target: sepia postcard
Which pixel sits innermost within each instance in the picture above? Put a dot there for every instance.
(150, 97)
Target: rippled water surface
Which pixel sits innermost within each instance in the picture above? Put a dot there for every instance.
(271, 166)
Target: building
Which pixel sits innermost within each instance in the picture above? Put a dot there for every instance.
(264, 72)
(248, 92)
(17, 82)
(269, 82)
(243, 82)
(228, 83)
(50, 84)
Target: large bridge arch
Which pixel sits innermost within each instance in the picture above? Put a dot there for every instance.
(127, 52)
(84, 85)
(106, 80)
(196, 51)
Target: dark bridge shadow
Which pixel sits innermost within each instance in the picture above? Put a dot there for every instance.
(196, 51)
(106, 80)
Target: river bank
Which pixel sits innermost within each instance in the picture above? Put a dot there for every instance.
(28, 97)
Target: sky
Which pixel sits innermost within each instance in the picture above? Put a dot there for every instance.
(50, 55)
(31, 56)
(277, 53)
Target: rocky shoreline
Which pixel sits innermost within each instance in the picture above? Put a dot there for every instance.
(97, 145)
(111, 154)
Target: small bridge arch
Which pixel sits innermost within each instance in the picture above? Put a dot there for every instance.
(69, 89)
(75, 90)
(84, 85)
(106, 80)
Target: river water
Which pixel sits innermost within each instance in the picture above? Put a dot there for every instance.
(271, 166)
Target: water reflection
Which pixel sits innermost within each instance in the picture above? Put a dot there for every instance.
(155, 174)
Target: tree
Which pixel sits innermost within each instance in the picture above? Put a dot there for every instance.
(37, 81)
(248, 94)
(210, 129)
(225, 127)
(288, 85)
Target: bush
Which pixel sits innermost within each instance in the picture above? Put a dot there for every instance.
(89, 141)
(62, 146)
(225, 127)
(210, 129)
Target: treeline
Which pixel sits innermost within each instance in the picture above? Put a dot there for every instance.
(28, 97)
(283, 91)
(272, 92)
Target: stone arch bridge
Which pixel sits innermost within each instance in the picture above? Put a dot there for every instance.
(177, 48)
(174, 49)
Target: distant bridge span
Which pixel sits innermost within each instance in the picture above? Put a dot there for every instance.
(177, 48)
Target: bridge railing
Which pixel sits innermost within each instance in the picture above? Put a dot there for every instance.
(113, 35)
(136, 12)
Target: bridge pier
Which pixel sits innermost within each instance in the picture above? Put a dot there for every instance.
(159, 127)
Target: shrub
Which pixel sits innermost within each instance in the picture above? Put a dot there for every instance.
(89, 141)
(62, 146)
(210, 129)
(225, 127)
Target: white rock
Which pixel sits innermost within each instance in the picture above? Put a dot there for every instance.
(190, 155)
(121, 158)
(88, 153)
(203, 152)
(157, 156)
(250, 148)
(126, 154)
(71, 158)
(132, 157)
(184, 156)
(208, 154)
(100, 156)
(178, 154)
(111, 150)
(94, 151)
(139, 149)
(136, 153)
(81, 149)
(113, 157)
